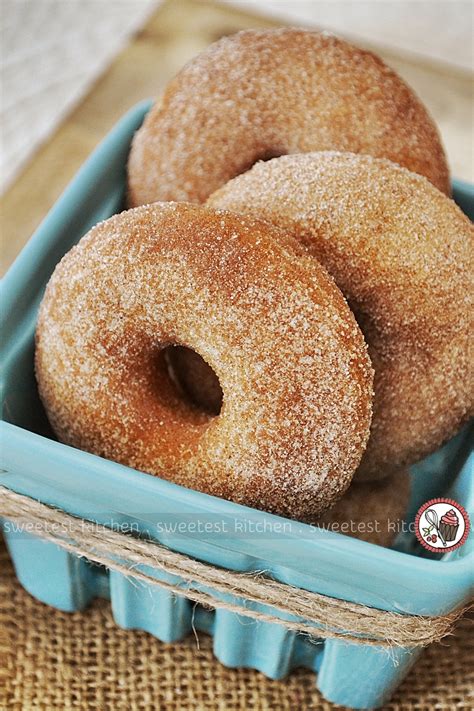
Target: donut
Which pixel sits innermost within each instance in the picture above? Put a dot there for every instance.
(289, 356)
(259, 94)
(402, 254)
(371, 511)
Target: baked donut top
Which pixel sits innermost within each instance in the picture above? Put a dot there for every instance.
(265, 93)
(290, 358)
(402, 253)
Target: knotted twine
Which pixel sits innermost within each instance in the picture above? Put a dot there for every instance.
(295, 609)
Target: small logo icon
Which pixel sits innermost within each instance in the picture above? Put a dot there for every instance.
(442, 525)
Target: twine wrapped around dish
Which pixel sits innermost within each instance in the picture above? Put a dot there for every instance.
(296, 609)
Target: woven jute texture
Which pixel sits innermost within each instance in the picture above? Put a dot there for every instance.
(54, 661)
(326, 616)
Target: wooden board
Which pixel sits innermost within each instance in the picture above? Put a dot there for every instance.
(177, 31)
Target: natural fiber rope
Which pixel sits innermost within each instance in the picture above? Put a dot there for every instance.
(320, 615)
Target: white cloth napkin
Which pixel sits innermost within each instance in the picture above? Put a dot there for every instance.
(51, 53)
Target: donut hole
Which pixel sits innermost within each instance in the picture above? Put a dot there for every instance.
(262, 157)
(269, 154)
(194, 379)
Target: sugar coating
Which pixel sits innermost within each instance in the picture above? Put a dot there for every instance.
(402, 254)
(289, 355)
(265, 93)
(370, 510)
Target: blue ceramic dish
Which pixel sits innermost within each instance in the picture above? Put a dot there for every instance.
(240, 538)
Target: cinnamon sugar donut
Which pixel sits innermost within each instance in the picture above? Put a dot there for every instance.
(371, 511)
(402, 254)
(265, 93)
(291, 360)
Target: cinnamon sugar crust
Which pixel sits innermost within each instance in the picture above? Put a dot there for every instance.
(371, 511)
(259, 94)
(268, 319)
(402, 254)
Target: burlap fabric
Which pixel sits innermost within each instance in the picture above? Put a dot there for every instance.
(55, 661)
